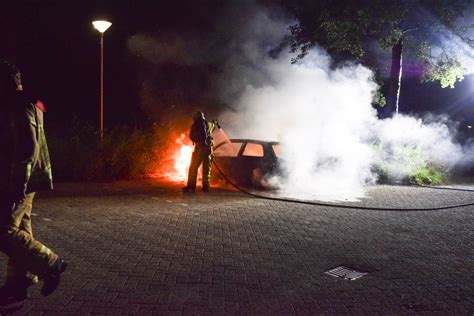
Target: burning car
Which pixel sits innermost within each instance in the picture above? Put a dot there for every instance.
(247, 162)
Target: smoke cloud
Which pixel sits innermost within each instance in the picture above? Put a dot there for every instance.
(333, 144)
(319, 115)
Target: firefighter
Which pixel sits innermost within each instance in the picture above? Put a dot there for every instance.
(200, 134)
(24, 169)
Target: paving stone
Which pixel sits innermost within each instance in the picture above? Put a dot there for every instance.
(144, 248)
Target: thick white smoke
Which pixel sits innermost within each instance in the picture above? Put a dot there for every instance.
(405, 144)
(320, 116)
(332, 142)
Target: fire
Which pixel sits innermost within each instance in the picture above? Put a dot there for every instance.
(174, 167)
(182, 159)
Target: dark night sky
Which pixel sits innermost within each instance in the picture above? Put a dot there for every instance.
(55, 45)
(57, 49)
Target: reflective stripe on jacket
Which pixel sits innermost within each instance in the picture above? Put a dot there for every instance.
(27, 167)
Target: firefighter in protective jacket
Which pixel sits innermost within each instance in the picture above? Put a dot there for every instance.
(25, 169)
(200, 134)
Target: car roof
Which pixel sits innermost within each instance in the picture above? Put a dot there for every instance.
(245, 140)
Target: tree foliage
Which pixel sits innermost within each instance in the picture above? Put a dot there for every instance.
(347, 28)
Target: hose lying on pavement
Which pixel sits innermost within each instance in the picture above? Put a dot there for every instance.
(345, 206)
(444, 188)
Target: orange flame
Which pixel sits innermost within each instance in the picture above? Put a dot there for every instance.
(182, 160)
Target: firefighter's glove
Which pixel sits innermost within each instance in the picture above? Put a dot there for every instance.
(216, 123)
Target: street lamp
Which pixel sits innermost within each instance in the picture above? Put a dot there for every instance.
(101, 26)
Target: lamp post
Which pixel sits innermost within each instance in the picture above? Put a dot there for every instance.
(101, 26)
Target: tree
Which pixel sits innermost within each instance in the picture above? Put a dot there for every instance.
(347, 30)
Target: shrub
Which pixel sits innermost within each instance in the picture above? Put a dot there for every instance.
(124, 153)
(427, 175)
(406, 164)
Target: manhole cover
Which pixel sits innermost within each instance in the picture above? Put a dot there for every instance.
(346, 273)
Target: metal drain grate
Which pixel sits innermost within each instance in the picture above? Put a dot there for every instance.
(346, 273)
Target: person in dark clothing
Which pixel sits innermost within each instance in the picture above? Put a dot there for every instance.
(24, 169)
(200, 134)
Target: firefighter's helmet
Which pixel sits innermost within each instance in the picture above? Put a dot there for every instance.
(10, 76)
(199, 116)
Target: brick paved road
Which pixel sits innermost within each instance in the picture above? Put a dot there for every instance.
(145, 248)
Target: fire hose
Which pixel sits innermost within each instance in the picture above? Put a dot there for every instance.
(346, 206)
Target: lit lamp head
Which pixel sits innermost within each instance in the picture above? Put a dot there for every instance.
(101, 26)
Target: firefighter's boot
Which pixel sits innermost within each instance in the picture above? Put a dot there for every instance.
(15, 292)
(187, 189)
(52, 279)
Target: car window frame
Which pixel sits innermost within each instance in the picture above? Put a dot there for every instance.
(241, 154)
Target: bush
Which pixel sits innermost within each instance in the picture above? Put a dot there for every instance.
(124, 153)
(406, 164)
(428, 175)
